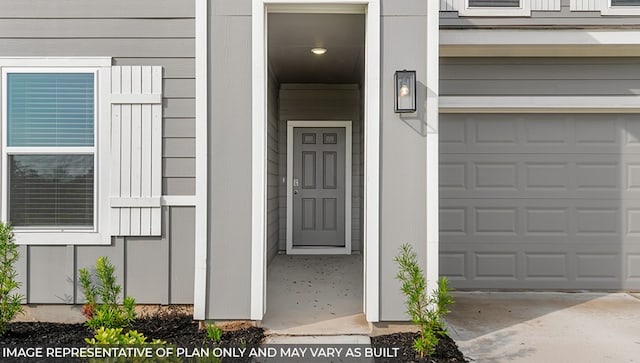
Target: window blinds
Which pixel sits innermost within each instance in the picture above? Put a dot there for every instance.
(50, 109)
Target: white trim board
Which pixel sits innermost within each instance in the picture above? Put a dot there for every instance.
(432, 148)
(539, 104)
(371, 158)
(348, 170)
(201, 198)
(539, 43)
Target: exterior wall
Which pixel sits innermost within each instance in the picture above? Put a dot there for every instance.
(273, 172)
(322, 102)
(229, 245)
(539, 76)
(403, 158)
(152, 270)
(556, 13)
(149, 32)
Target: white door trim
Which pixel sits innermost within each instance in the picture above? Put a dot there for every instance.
(348, 170)
(371, 233)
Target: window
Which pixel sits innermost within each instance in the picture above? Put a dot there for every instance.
(494, 3)
(625, 2)
(620, 7)
(494, 7)
(50, 149)
(54, 145)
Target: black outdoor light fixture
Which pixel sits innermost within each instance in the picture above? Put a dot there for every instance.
(405, 91)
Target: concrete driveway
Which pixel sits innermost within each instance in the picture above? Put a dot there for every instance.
(546, 327)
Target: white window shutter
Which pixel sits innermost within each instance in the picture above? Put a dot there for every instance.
(136, 150)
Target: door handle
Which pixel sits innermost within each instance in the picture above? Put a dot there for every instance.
(295, 192)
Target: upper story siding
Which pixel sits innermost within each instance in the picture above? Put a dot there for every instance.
(544, 14)
(140, 32)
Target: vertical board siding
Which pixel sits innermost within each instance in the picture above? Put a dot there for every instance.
(137, 152)
(545, 5)
(138, 33)
(584, 5)
(153, 270)
(447, 5)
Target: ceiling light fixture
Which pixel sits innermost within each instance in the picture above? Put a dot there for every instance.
(319, 51)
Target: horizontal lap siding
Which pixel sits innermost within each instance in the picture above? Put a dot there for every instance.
(142, 32)
(539, 76)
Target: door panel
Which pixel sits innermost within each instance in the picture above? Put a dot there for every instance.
(319, 187)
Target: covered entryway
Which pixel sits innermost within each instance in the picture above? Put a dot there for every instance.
(315, 117)
(540, 201)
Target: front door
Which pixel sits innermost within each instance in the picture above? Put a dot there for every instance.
(318, 189)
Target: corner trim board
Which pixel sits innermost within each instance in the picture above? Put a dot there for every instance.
(201, 198)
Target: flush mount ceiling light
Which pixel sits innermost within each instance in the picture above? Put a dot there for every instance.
(319, 51)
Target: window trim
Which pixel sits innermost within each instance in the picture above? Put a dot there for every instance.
(606, 8)
(101, 67)
(465, 10)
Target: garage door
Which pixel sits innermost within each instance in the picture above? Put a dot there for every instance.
(540, 201)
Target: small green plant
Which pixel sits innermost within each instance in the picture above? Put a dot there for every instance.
(115, 336)
(214, 333)
(106, 313)
(426, 311)
(10, 302)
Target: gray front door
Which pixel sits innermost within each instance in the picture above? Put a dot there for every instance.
(318, 187)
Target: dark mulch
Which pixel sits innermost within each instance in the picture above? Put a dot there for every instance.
(176, 329)
(446, 350)
(179, 330)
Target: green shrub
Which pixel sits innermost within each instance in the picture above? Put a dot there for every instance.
(214, 333)
(114, 336)
(10, 302)
(425, 311)
(106, 312)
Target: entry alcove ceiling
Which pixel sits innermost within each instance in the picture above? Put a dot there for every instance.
(292, 35)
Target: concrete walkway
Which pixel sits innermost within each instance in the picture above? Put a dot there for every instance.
(546, 327)
(315, 295)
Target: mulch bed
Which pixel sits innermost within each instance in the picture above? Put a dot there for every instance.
(181, 331)
(446, 350)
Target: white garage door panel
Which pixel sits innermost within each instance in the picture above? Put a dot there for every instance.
(540, 201)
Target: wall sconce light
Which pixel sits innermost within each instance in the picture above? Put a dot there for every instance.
(405, 91)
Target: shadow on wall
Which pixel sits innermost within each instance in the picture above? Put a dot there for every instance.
(418, 120)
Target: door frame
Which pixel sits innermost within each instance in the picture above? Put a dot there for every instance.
(348, 171)
(371, 128)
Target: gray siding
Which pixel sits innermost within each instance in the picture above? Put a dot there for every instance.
(403, 151)
(145, 32)
(273, 178)
(539, 76)
(152, 270)
(322, 102)
(551, 19)
(229, 164)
